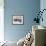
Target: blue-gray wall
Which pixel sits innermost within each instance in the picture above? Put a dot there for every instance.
(28, 8)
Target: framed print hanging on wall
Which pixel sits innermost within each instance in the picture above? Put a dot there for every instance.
(18, 19)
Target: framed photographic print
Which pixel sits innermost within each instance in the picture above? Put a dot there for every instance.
(18, 19)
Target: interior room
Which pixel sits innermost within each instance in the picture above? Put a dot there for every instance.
(22, 22)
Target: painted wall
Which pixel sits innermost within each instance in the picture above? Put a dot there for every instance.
(43, 6)
(1, 20)
(28, 8)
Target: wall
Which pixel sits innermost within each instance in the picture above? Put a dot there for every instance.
(43, 6)
(28, 8)
(1, 20)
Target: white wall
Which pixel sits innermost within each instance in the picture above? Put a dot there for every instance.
(1, 20)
